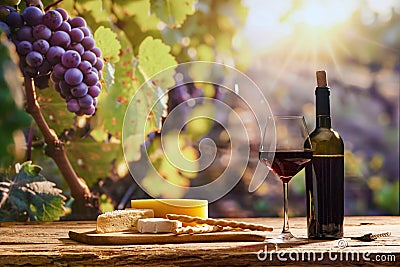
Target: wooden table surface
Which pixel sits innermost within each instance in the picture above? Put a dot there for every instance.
(48, 244)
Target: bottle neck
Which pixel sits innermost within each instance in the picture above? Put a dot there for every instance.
(323, 121)
(323, 112)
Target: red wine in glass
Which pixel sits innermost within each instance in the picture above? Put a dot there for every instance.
(286, 164)
(289, 136)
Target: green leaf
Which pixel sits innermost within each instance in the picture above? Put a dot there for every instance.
(30, 195)
(149, 103)
(47, 206)
(154, 56)
(92, 160)
(120, 89)
(142, 117)
(108, 43)
(54, 110)
(31, 169)
(172, 12)
(28, 173)
(136, 12)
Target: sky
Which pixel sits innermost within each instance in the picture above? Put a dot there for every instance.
(268, 21)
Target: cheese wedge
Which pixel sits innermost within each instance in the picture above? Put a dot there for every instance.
(121, 220)
(157, 225)
(162, 207)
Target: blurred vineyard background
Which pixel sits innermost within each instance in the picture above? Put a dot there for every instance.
(278, 44)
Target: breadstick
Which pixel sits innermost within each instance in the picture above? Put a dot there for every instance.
(220, 222)
(197, 229)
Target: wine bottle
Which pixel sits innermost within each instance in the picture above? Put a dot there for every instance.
(325, 174)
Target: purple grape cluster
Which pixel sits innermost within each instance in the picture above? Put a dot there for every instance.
(52, 44)
(181, 94)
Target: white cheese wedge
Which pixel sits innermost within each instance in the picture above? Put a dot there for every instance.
(121, 220)
(157, 225)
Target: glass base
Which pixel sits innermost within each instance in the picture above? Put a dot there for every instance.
(286, 237)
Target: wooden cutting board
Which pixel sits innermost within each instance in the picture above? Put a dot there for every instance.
(127, 238)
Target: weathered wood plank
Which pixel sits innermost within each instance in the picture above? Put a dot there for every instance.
(41, 244)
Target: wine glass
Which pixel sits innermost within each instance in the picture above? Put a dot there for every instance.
(292, 153)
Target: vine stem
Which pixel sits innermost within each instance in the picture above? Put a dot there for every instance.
(54, 147)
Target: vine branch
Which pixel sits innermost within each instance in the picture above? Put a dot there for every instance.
(54, 147)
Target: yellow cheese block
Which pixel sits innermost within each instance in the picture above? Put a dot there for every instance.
(162, 207)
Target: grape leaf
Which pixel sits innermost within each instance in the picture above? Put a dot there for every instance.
(46, 206)
(154, 56)
(107, 42)
(142, 117)
(172, 12)
(54, 110)
(30, 195)
(148, 104)
(92, 160)
(119, 92)
(94, 8)
(138, 12)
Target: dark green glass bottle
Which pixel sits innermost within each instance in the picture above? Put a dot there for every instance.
(325, 174)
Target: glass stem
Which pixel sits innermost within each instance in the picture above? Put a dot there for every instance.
(285, 209)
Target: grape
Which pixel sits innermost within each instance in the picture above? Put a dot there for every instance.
(91, 78)
(34, 59)
(5, 28)
(85, 31)
(53, 78)
(54, 54)
(77, 47)
(24, 47)
(64, 86)
(60, 38)
(71, 59)
(45, 68)
(85, 67)
(89, 111)
(4, 12)
(94, 91)
(65, 27)
(56, 87)
(96, 51)
(99, 64)
(76, 35)
(63, 13)
(85, 101)
(73, 105)
(52, 19)
(95, 71)
(73, 76)
(15, 20)
(90, 56)
(42, 81)
(25, 34)
(65, 89)
(88, 43)
(79, 90)
(99, 85)
(29, 71)
(77, 22)
(59, 71)
(32, 15)
(41, 46)
(41, 32)
(62, 49)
